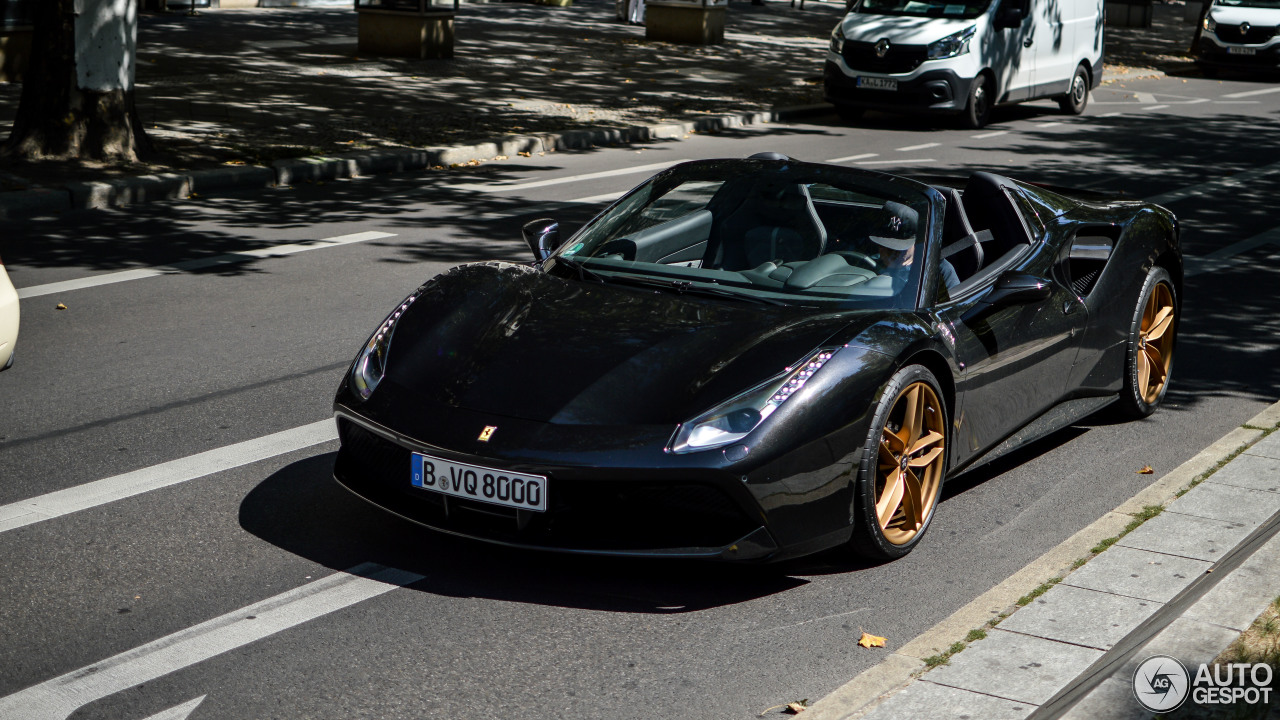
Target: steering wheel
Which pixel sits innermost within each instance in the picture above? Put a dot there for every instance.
(854, 257)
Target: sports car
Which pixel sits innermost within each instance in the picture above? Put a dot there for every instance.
(755, 359)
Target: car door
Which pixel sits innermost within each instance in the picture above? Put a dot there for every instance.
(1016, 334)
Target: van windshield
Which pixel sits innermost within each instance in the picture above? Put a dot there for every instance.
(1248, 3)
(937, 8)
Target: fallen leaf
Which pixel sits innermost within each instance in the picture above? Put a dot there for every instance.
(61, 306)
(796, 708)
(1146, 470)
(869, 641)
(233, 162)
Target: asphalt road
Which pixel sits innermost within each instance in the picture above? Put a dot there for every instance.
(225, 596)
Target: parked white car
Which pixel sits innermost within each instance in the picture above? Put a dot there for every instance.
(8, 318)
(1240, 33)
(963, 56)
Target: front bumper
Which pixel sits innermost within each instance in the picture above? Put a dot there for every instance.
(937, 91)
(694, 514)
(1210, 52)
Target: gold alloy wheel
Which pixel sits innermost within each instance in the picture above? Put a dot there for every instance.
(909, 472)
(1155, 343)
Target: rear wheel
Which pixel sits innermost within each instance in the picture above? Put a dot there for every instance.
(1152, 334)
(1077, 96)
(903, 464)
(977, 113)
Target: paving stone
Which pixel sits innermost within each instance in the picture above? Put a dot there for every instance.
(1112, 700)
(1082, 617)
(1138, 573)
(1187, 536)
(1252, 471)
(927, 701)
(1267, 447)
(1227, 502)
(1015, 666)
(1238, 599)
(1191, 641)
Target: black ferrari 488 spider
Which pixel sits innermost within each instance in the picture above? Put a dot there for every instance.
(754, 359)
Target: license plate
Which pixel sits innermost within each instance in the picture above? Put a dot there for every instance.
(877, 83)
(1242, 51)
(473, 482)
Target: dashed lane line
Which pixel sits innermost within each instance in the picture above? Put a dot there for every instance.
(984, 136)
(58, 698)
(1156, 107)
(851, 158)
(1251, 93)
(108, 490)
(903, 161)
(548, 207)
(507, 187)
(1146, 98)
(197, 264)
(1229, 255)
(1226, 183)
(925, 146)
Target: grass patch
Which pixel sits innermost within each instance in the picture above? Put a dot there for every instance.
(1104, 544)
(1143, 515)
(997, 620)
(1079, 563)
(1025, 600)
(975, 634)
(1259, 644)
(1218, 466)
(943, 658)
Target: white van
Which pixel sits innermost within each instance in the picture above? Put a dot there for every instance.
(963, 56)
(1240, 33)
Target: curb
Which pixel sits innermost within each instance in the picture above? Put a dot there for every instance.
(866, 690)
(46, 202)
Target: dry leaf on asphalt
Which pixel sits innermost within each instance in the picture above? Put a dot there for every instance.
(796, 708)
(61, 306)
(1146, 470)
(869, 641)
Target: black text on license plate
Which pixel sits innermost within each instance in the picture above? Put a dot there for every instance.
(1242, 51)
(500, 487)
(877, 83)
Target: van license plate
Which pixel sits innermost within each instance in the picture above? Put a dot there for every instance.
(1242, 51)
(877, 83)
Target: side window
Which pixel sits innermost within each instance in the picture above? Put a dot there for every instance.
(1030, 217)
(682, 200)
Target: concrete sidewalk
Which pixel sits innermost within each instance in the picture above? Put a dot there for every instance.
(1197, 562)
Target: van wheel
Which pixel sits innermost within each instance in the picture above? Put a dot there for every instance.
(978, 112)
(1077, 97)
(848, 113)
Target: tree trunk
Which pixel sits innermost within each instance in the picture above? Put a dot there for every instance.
(77, 93)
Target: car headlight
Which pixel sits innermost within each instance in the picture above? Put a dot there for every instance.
(734, 419)
(371, 363)
(837, 40)
(1210, 24)
(952, 45)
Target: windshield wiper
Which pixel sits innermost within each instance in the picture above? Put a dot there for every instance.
(583, 273)
(685, 287)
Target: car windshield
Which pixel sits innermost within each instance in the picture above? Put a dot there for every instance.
(1248, 3)
(763, 230)
(925, 8)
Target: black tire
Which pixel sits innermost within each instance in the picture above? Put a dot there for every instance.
(1209, 71)
(977, 111)
(1139, 399)
(849, 113)
(1077, 97)
(870, 539)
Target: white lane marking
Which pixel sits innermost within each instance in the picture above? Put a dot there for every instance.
(197, 264)
(181, 712)
(904, 161)
(505, 187)
(1196, 101)
(925, 146)
(58, 698)
(118, 487)
(1146, 98)
(1251, 93)
(549, 207)
(1229, 255)
(1156, 107)
(1226, 183)
(984, 136)
(1047, 125)
(281, 44)
(851, 158)
(1112, 114)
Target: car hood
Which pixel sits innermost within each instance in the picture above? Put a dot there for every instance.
(900, 29)
(1257, 17)
(513, 341)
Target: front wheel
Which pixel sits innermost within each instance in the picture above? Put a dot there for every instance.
(1152, 334)
(903, 464)
(1077, 97)
(977, 113)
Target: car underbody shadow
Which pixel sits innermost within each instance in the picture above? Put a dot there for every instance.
(301, 509)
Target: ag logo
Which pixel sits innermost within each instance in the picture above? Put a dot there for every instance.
(1161, 683)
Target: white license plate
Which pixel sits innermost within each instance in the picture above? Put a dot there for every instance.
(1242, 51)
(499, 487)
(877, 83)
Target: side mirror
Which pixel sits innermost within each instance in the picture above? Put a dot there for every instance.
(1018, 289)
(543, 236)
(1008, 16)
